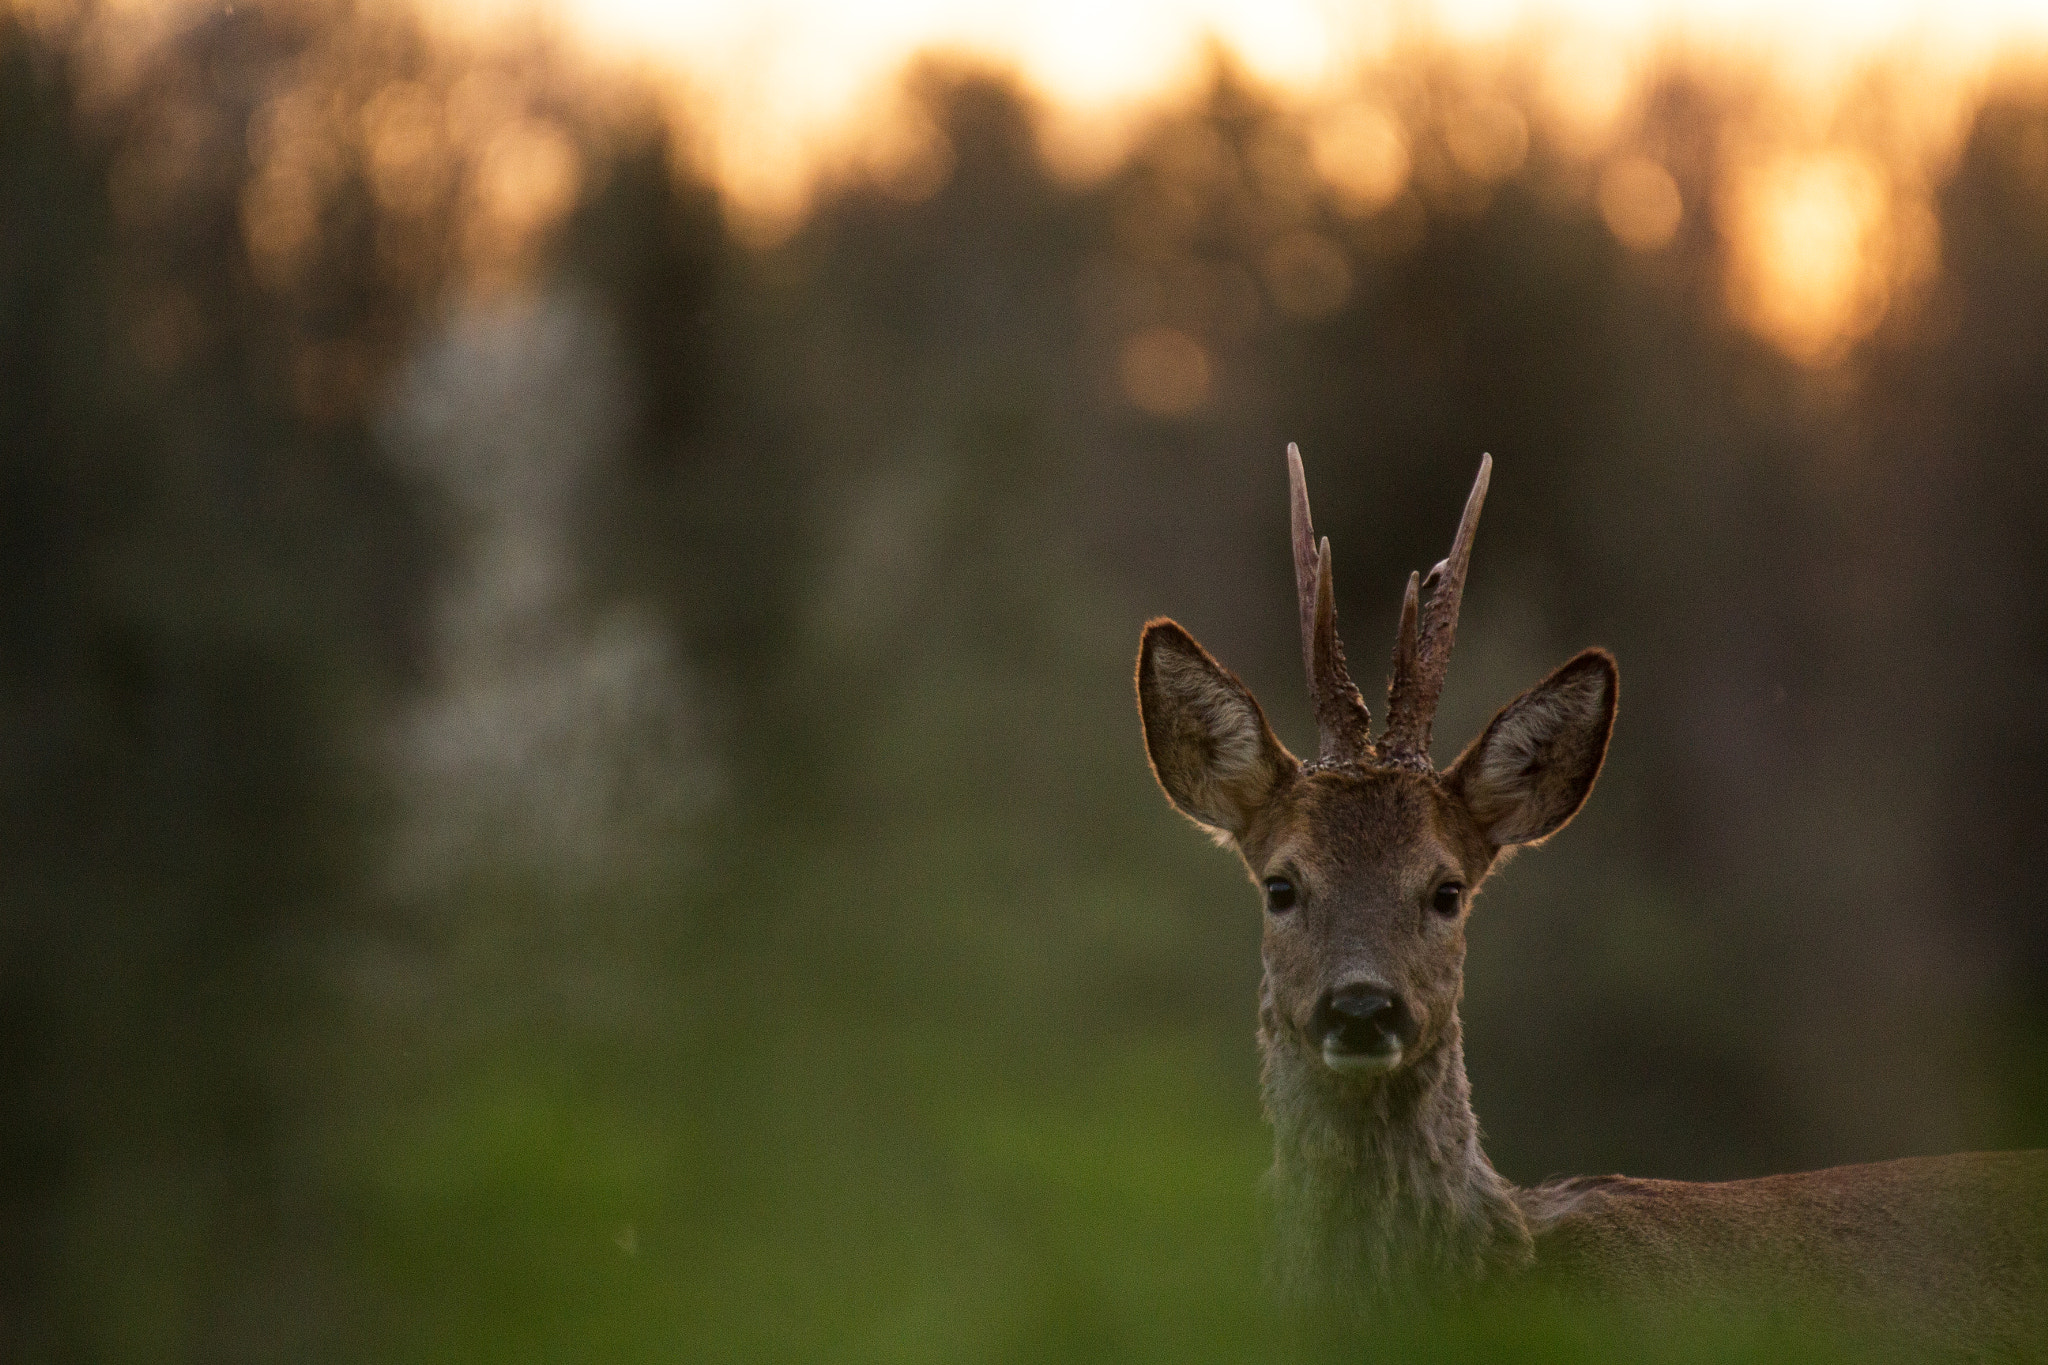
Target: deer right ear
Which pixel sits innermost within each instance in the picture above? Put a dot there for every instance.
(1532, 769)
(1214, 755)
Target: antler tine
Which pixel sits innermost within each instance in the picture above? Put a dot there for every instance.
(1404, 648)
(1342, 722)
(1304, 560)
(1423, 654)
(1341, 717)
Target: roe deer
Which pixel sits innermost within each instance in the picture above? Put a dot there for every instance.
(1368, 860)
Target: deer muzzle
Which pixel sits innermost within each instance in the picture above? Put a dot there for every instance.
(1362, 1030)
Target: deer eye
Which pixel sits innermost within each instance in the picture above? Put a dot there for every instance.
(1280, 894)
(1447, 898)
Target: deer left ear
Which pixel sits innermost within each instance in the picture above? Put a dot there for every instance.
(1214, 755)
(1529, 773)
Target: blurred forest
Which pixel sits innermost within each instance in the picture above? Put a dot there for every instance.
(569, 782)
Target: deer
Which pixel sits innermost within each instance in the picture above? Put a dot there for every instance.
(1368, 860)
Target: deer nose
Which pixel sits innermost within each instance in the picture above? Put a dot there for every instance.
(1362, 1028)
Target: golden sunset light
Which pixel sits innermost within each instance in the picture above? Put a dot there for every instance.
(1819, 190)
(1822, 204)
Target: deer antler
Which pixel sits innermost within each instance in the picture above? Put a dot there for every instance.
(1422, 654)
(1342, 722)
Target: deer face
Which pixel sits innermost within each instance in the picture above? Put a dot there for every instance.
(1367, 873)
(1365, 878)
(1367, 858)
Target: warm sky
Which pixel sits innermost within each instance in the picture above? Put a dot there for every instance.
(1826, 219)
(1822, 231)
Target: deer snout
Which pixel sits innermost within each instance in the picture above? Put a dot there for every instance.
(1362, 1029)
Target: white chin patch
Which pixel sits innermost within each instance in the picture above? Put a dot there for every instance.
(1362, 1063)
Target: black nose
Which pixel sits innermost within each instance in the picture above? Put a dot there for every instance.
(1362, 1020)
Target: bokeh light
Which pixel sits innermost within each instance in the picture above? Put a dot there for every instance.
(1822, 206)
(1640, 202)
(787, 94)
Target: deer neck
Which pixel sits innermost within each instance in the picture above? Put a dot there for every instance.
(1381, 1189)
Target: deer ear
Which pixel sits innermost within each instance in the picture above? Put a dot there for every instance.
(1214, 755)
(1532, 769)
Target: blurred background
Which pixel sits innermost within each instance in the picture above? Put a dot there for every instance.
(568, 781)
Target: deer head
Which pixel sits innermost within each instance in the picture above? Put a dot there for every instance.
(1367, 856)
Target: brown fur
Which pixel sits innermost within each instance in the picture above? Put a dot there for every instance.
(1945, 1254)
(1381, 1187)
